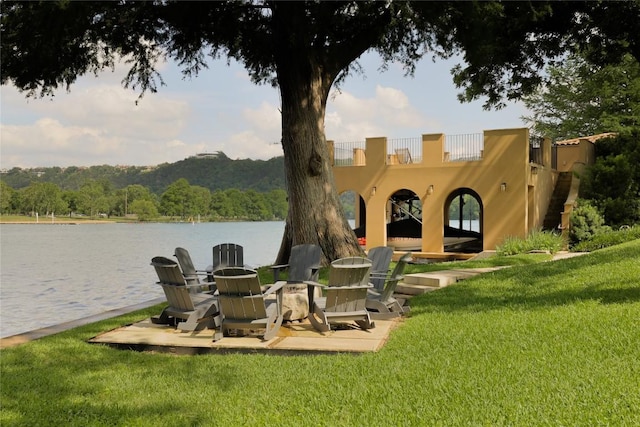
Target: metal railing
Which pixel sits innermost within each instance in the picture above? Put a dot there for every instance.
(464, 147)
(535, 150)
(349, 153)
(404, 151)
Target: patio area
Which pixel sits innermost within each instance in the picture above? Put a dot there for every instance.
(293, 338)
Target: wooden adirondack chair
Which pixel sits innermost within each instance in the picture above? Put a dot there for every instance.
(346, 295)
(197, 310)
(191, 275)
(383, 305)
(243, 304)
(380, 257)
(304, 264)
(226, 255)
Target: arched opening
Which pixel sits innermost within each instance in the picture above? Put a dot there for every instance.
(404, 221)
(356, 212)
(463, 229)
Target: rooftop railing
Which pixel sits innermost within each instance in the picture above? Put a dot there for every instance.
(404, 151)
(464, 147)
(349, 153)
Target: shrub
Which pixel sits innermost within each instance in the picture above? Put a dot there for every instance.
(536, 241)
(608, 238)
(586, 222)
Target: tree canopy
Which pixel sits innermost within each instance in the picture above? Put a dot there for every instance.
(305, 48)
(580, 98)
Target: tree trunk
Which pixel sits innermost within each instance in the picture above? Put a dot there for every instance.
(315, 212)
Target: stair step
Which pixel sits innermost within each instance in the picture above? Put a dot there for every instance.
(420, 283)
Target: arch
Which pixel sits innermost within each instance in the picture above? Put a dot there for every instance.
(355, 210)
(463, 214)
(404, 220)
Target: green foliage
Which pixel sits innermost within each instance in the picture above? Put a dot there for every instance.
(348, 201)
(586, 222)
(608, 238)
(43, 198)
(6, 195)
(613, 182)
(93, 199)
(213, 173)
(535, 241)
(144, 209)
(582, 99)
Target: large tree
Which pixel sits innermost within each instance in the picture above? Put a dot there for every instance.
(304, 48)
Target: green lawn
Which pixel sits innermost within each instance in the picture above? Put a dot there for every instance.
(551, 343)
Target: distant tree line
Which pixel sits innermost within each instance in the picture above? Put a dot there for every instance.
(215, 172)
(180, 200)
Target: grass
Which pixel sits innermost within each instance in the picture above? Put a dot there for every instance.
(549, 343)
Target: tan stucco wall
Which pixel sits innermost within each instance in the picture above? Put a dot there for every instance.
(505, 160)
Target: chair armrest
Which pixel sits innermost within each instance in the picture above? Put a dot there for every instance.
(278, 286)
(276, 271)
(312, 283)
(367, 286)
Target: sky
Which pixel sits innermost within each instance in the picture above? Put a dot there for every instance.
(99, 123)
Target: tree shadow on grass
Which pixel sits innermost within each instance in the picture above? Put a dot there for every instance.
(615, 280)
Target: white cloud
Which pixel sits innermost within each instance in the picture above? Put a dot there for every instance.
(389, 113)
(100, 124)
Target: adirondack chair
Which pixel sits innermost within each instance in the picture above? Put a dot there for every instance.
(226, 255)
(383, 305)
(346, 295)
(244, 306)
(191, 275)
(304, 264)
(380, 257)
(197, 310)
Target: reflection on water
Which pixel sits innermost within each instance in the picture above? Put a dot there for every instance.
(54, 273)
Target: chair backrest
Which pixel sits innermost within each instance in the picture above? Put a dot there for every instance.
(173, 283)
(396, 276)
(404, 155)
(380, 257)
(304, 262)
(349, 271)
(348, 280)
(240, 295)
(168, 271)
(186, 264)
(227, 255)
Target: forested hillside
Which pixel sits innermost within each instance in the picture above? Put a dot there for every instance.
(214, 173)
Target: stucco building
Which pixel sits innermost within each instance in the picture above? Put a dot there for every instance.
(411, 192)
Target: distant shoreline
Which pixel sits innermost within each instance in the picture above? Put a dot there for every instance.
(58, 221)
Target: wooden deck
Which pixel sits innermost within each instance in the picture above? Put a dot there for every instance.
(293, 338)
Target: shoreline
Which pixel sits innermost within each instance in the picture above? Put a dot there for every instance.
(61, 222)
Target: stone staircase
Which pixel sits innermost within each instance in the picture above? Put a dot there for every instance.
(420, 283)
(556, 205)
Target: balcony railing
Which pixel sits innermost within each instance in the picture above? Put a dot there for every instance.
(464, 147)
(404, 151)
(349, 153)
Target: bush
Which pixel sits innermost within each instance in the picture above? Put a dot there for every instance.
(535, 241)
(608, 238)
(586, 222)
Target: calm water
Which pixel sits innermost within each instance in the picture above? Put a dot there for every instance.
(54, 273)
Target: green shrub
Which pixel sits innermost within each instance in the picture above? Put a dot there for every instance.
(536, 241)
(608, 238)
(586, 222)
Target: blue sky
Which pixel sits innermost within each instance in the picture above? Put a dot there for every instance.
(98, 121)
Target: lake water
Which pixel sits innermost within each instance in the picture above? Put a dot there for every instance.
(55, 273)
